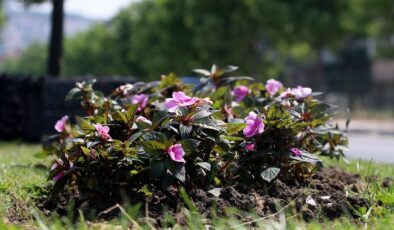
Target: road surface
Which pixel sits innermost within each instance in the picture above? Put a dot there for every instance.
(375, 146)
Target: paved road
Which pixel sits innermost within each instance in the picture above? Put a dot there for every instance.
(375, 146)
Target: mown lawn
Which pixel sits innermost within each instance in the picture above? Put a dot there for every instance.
(23, 177)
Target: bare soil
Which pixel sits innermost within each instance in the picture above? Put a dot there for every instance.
(328, 194)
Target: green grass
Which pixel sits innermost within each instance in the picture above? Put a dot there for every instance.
(22, 177)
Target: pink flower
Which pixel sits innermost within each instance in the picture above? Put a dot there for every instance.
(296, 152)
(286, 93)
(60, 125)
(240, 92)
(251, 147)
(299, 92)
(54, 166)
(58, 176)
(177, 153)
(124, 89)
(143, 119)
(141, 100)
(254, 125)
(229, 111)
(179, 99)
(273, 86)
(102, 131)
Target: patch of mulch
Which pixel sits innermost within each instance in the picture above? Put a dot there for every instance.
(387, 182)
(329, 193)
(18, 212)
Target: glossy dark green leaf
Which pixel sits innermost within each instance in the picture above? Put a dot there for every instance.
(119, 116)
(205, 165)
(185, 130)
(180, 173)
(159, 117)
(90, 144)
(307, 157)
(157, 168)
(190, 145)
(135, 136)
(200, 115)
(152, 145)
(233, 128)
(143, 125)
(84, 124)
(131, 112)
(73, 93)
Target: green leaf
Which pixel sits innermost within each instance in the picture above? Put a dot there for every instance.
(155, 136)
(84, 124)
(229, 68)
(150, 146)
(232, 138)
(233, 128)
(146, 191)
(208, 124)
(142, 125)
(176, 169)
(220, 92)
(135, 136)
(159, 117)
(181, 111)
(270, 173)
(320, 130)
(72, 94)
(185, 130)
(201, 114)
(92, 143)
(180, 173)
(167, 181)
(75, 140)
(202, 72)
(190, 145)
(157, 168)
(307, 157)
(85, 150)
(205, 165)
(119, 116)
(131, 112)
(271, 113)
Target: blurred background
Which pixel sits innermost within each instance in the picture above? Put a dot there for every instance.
(342, 48)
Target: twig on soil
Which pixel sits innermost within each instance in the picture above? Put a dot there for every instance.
(271, 215)
(123, 211)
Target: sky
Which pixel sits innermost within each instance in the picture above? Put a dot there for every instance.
(94, 9)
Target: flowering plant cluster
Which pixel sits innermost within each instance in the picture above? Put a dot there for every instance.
(166, 134)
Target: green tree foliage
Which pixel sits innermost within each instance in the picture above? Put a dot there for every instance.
(55, 54)
(92, 52)
(32, 62)
(265, 37)
(152, 36)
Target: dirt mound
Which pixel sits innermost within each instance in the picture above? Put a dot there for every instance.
(324, 195)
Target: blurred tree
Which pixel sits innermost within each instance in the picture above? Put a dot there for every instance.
(101, 57)
(153, 36)
(263, 37)
(2, 16)
(54, 62)
(32, 62)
